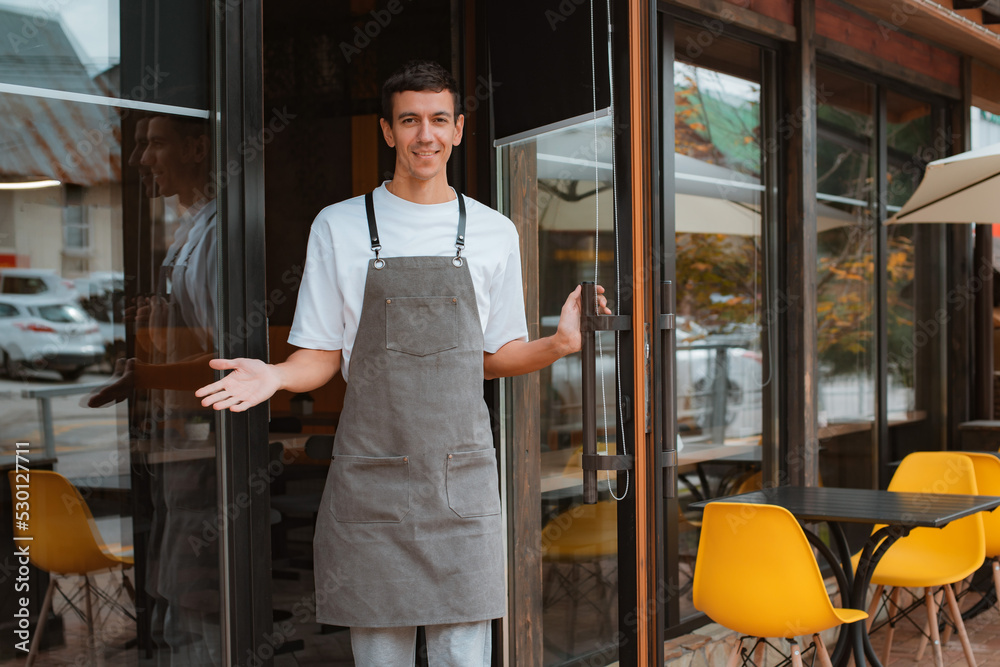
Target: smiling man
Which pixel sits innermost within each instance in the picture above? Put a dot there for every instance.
(413, 292)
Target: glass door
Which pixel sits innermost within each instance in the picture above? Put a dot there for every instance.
(723, 243)
(557, 188)
(111, 289)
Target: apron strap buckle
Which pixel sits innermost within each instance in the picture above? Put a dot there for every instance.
(460, 237)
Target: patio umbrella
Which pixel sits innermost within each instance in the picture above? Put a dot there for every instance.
(960, 188)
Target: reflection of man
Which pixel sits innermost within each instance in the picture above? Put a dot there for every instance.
(181, 319)
(174, 343)
(135, 157)
(416, 291)
(177, 155)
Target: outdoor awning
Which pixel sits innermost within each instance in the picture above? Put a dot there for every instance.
(708, 199)
(960, 188)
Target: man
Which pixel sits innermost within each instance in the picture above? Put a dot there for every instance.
(414, 293)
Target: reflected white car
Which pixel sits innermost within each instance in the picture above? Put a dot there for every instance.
(738, 403)
(102, 295)
(38, 332)
(36, 281)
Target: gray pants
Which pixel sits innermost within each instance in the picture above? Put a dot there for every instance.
(449, 645)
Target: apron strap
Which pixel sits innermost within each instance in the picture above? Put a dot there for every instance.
(373, 229)
(460, 240)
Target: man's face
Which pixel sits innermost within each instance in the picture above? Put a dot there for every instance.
(135, 159)
(173, 158)
(423, 131)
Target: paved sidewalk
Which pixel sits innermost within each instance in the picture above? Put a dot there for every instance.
(984, 636)
(709, 646)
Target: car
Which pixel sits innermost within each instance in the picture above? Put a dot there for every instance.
(36, 281)
(102, 295)
(704, 410)
(39, 332)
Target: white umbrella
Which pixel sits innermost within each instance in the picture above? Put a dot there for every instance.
(960, 188)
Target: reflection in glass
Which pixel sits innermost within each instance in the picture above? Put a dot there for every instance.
(579, 543)
(846, 280)
(720, 239)
(909, 140)
(108, 283)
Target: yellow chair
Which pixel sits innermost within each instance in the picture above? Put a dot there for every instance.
(930, 558)
(756, 574)
(583, 539)
(987, 468)
(66, 541)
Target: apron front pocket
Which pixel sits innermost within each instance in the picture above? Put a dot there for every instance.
(472, 483)
(370, 489)
(421, 325)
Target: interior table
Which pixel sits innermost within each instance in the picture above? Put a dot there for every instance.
(732, 461)
(898, 513)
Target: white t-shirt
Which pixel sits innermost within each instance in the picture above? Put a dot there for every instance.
(333, 283)
(195, 279)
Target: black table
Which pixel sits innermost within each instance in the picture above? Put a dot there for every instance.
(898, 512)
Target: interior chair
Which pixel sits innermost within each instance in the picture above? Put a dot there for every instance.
(930, 558)
(66, 542)
(746, 482)
(285, 425)
(579, 554)
(756, 574)
(298, 506)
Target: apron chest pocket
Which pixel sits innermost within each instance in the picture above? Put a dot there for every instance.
(370, 489)
(472, 483)
(421, 325)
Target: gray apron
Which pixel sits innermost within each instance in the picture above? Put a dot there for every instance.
(409, 529)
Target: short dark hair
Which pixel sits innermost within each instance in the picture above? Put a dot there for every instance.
(419, 75)
(186, 126)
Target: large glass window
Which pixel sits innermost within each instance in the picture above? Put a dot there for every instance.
(721, 238)
(845, 287)
(109, 279)
(908, 139)
(915, 323)
(848, 314)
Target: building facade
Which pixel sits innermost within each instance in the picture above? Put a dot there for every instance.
(728, 170)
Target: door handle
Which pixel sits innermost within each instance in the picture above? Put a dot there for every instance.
(590, 323)
(668, 349)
